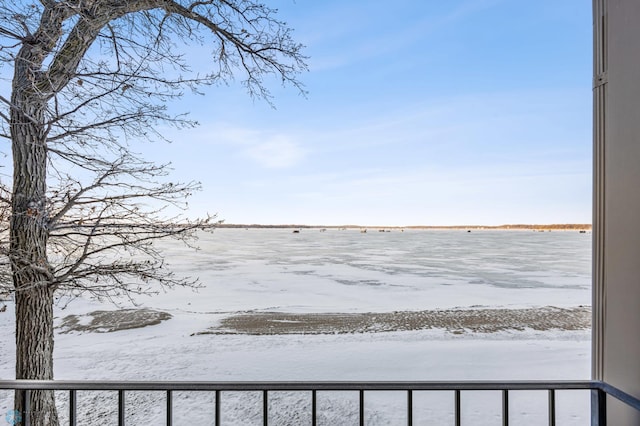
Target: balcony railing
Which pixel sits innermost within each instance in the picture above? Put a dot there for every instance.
(598, 390)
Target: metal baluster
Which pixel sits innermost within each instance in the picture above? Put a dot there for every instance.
(169, 408)
(314, 407)
(217, 410)
(505, 408)
(410, 407)
(598, 407)
(27, 408)
(457, 407)
(72, 407)
(361, 407)
(552, 407)
(265, 408)
(121, 407)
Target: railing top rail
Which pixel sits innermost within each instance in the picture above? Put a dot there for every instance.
(620, 395)
(322, 386)
(297, 385)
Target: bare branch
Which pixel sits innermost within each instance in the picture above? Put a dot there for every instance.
(82, 213)
(11, 34)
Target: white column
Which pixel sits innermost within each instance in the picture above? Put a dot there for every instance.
(616, 235)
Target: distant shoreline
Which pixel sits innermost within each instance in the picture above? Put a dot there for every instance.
(535, 227)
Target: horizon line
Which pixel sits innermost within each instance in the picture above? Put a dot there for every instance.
(581, 226)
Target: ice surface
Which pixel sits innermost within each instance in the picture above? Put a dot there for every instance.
(342, 271)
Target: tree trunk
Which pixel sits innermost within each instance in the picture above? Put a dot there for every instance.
(34, 352)
(32, 278)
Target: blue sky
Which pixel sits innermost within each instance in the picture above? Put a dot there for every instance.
(418, 112)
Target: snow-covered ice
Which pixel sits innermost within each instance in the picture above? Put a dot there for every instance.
(342, 271)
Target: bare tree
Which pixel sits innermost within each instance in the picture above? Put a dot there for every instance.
(5, 269)
(83, 210)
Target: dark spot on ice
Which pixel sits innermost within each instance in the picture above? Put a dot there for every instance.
(372, 283)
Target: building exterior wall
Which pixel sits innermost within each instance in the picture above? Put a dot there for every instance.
(616, 339)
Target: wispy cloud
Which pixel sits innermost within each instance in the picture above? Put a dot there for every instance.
(277, 152)
(422, 116)
(267, 148)
(381, 38)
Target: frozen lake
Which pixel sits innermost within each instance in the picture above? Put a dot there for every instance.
(345, 271)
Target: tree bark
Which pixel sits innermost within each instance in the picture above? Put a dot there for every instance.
(32, 278)
(34, 352)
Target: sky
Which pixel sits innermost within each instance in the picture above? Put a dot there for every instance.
(418, 112)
